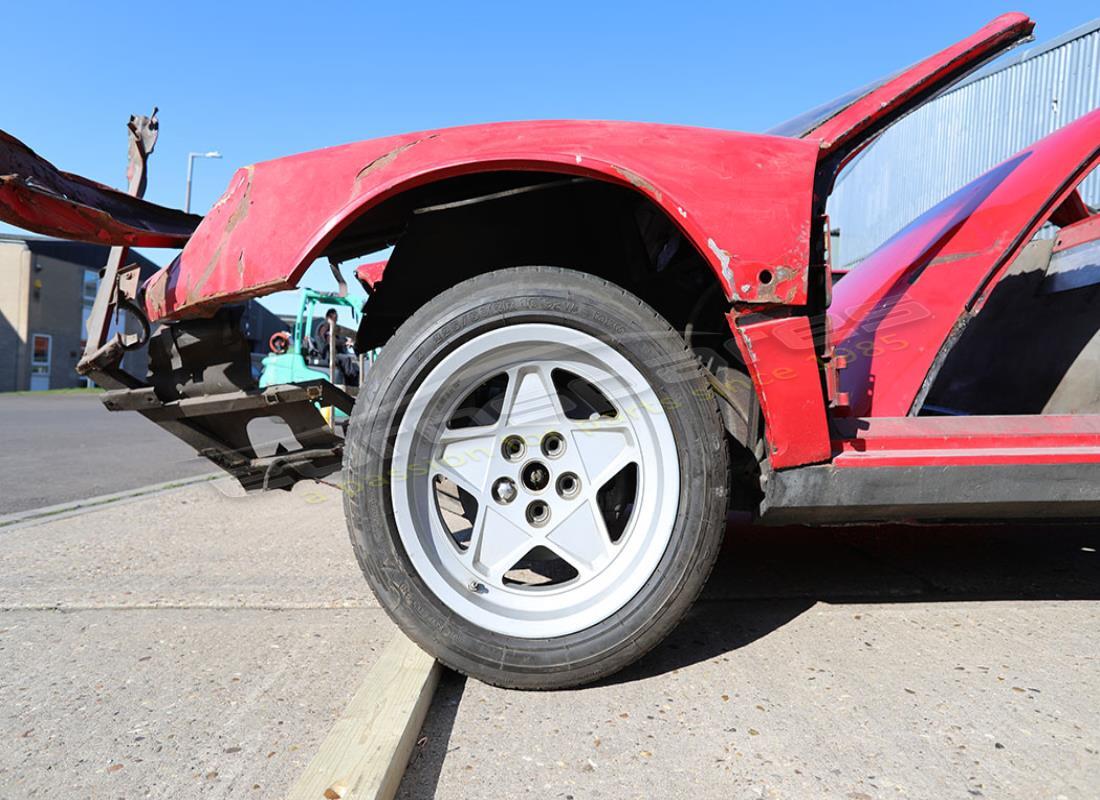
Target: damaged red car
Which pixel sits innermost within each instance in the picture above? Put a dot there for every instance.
(597, 339)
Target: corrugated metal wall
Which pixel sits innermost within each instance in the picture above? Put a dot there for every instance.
(949, 142)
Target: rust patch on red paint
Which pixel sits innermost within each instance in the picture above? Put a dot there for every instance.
(778, 285)
(212, 303)
(385, 159)
(782, 288)
(638, 182)
(238, 215)
(156, 294)
(766, 233)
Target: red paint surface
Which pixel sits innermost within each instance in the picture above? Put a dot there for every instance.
(37, 196)
(971, 441)
(744, 201)
(973, 457)
(277, 216)
(861, 117)
(371, 273)
(783, 366)
(1077, 234)
(892, 313)
(52, 215)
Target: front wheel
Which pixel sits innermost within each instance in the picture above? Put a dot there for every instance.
(536, 478)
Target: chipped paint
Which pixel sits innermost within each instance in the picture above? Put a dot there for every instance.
(943, 263)
(213, 302)
(238, 215)
(638, 182)
(723, 257)
(387, 158)
(248, 171)
(286, 227)
(156, 289)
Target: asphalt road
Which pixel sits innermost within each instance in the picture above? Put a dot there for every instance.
(199, 644)
(63, 447)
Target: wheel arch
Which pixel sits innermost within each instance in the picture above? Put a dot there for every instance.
(741, 204)
(553, 223)
(455, 227)
(502, 218)
(744, 201)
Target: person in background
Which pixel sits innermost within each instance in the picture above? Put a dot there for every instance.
(347, 365)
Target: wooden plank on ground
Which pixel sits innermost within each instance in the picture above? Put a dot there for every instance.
(366, 752)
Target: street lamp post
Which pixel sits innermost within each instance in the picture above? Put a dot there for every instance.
(190, 169)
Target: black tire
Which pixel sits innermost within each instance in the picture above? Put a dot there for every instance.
(603, 310)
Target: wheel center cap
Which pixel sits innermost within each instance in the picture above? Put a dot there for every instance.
(535, 476)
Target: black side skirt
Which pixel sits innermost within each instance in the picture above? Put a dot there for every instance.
(824, 494)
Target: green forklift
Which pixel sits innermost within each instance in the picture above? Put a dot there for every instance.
(302, 356)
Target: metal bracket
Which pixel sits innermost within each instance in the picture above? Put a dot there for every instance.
(216, 426)
(145, 399)
(118, 287)
(337, 273)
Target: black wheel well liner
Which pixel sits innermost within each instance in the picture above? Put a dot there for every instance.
(454, 229)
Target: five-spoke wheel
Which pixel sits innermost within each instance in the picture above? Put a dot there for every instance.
(538, 463)
(536, 477)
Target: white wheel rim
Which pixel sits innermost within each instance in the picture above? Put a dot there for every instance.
(471, 581)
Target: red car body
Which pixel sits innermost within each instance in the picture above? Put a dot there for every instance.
(839, 380)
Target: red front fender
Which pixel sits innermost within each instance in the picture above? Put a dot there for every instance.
(743, 200)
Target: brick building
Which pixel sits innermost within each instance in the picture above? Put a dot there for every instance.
(46, 291)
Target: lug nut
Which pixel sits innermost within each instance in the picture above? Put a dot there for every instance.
(538, 513)
(568, 485)
(553, 445)
(504, 490)
(513, 448)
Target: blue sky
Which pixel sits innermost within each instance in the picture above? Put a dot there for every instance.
(260, 80)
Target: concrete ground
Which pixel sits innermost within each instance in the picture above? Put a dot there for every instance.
(199, 644)
(190, 644)
(890, 662)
